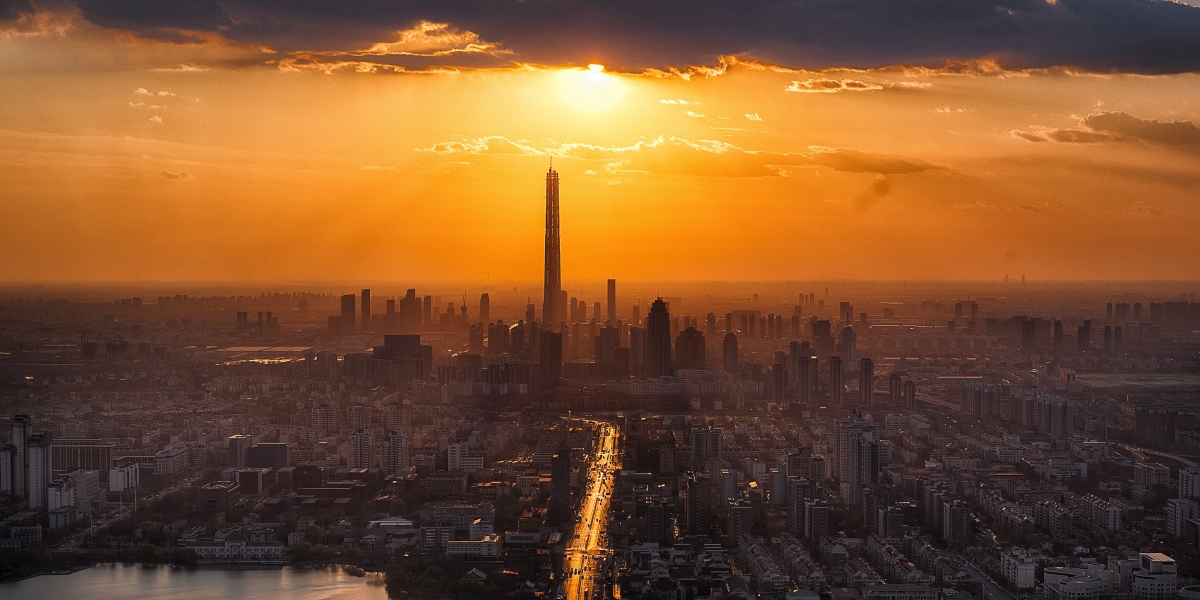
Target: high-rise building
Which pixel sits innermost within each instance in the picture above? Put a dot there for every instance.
(550, 351)
(658, 340)
(560, 475)
(698, 513)
(847, 345)
(1084, 336)
(552, 282)
(362, 449)
(741, 512)
(485, 308)
(612, 301)
(38, 470)
(348, 313)
(857, 457)
(22, 429)
(910, 395)
(239, 448)
(323, 420)
(360, 416)
(366, 309)
(895, 390)
(805, 378)
(689, 349)
(729, 353)
(706, 444)
(395, 452)
(836, 385)
(866, 382)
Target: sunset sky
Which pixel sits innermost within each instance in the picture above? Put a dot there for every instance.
(408, 141)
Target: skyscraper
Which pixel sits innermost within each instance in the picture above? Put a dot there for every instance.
(729, 353)
(551, 357)
(348, 312)
(848, 342)
(485, 308)
(22, 429)
(866, 381)
(366, 309)
(658, 340)
(689, 349)
(805, 369)
(552, 284)
(836, 386)
(612, 301)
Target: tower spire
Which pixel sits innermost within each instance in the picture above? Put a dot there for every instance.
(552, 284)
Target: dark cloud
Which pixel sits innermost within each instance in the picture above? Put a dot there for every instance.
(1120, 127)
(1147, 36)
(11, 10)
(1127, 127)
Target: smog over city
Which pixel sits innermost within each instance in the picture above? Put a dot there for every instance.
(584, 300)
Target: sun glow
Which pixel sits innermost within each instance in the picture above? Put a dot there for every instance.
(591, 89)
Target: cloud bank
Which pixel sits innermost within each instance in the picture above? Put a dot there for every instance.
(1143, 36)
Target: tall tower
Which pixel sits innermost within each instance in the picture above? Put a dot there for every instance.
(552, 284)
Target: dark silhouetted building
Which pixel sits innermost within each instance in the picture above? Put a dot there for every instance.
(658, 340)
(689, 349)
(348, 312)
(866, 381)
(729, 353)
(366, 309)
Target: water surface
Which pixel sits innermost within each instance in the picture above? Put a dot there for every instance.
(135, 582)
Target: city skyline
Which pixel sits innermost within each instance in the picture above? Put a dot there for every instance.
(138, 147)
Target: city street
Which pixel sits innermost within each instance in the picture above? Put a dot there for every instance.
(586, 554)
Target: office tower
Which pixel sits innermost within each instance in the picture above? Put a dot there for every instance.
(551, 357)
(426, 315)
(366, 309)
(596, 311)
(835, 381)
(485, 308)
(658, 340)
(910, 395)
(395, 452)
(560, 475)
(866, 381)
(38, 470)
(552, 282)
(805, 378)
(348, 312)
(857, 448)
(612, 300)
(239, 447)
(637, 314)
(22, 429)
(895, 390)
(729, 353)
(1058, 336)
(1084, 336)
(689, 349)
(362, 449)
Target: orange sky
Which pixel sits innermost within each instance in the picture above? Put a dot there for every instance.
(116, 163)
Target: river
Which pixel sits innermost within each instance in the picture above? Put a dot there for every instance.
(134, 582)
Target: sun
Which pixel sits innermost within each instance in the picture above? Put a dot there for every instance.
(591, 89)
